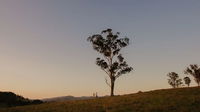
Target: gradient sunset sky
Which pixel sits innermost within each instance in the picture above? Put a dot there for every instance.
(44, 52)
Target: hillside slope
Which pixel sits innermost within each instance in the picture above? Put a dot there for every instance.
(65, 98)
(167, 100)
(10, 99)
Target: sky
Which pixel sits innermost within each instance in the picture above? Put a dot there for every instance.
(44, 52)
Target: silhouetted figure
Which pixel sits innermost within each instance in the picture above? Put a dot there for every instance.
(96, 95)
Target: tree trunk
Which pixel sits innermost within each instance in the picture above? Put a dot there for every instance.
(112, 87)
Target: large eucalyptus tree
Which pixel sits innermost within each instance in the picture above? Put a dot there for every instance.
(112, 62)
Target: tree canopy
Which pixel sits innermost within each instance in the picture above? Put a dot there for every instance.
(194, 70)
(174, 79)
(109, 45)
(187, 81)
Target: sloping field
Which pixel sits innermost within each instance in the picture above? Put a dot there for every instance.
(167, 100)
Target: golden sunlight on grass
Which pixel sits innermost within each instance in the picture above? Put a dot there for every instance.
(166, 100)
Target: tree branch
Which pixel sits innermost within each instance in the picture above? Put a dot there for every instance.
(107, 82)
(106, 72)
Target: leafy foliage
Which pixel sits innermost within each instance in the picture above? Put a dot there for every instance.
(109, 45)
(194, 70)
(187, 81)
(174, 80)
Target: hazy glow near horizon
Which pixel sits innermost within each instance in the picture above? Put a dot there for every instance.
(44, 52)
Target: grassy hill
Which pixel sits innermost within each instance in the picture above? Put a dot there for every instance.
(9, 99)
(166, 100)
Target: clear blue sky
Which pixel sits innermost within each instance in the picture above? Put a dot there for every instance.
(44, 52)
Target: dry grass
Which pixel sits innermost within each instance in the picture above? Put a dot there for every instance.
(167, 100)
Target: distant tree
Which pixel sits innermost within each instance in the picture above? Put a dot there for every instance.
(187, 81)
(194, 70)
(113, 64)
(174, 80)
